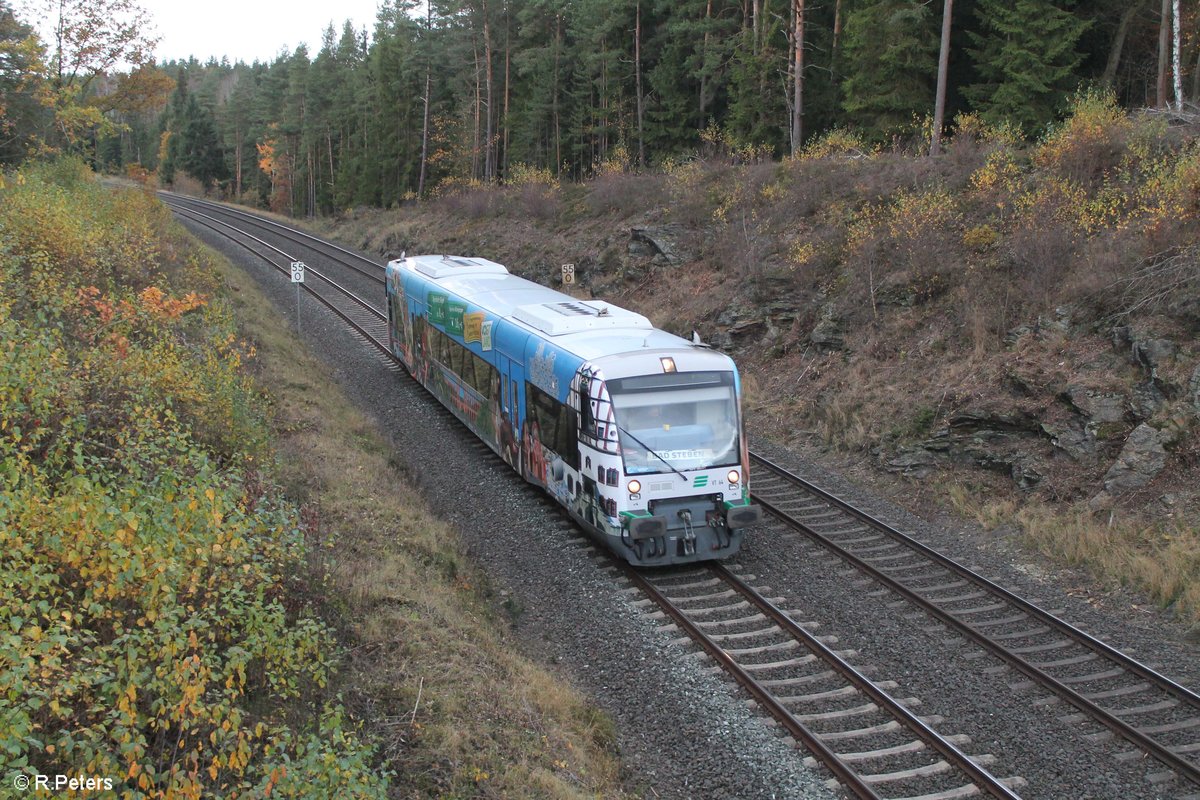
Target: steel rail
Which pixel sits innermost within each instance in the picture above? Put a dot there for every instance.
(312, 292)
(332, 283)
(981, 777)
(841, 770)
(181, 201)
(1118, 726)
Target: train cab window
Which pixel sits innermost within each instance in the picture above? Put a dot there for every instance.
(587, 420)
(676, 421)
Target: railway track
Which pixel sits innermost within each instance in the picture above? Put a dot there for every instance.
(334, 254)
(367, 320)
(1151, 712)
(872, 743)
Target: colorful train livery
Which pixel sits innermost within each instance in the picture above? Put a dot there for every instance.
(636, 431)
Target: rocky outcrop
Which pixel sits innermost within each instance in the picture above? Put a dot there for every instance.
(1152, 355)
(659, 243)
(1141, 459)
(1096, 417)
(995, 441)
(1097, 408)
(828, 333)
(1075, 439)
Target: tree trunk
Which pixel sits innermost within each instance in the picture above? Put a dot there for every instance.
(424, 136)
(237, 158)
(939, 104)
(557, 126)
(1118, 44)
(507, 87)
(332, 171)
(755, 21)
(1196, 79)
(704, 64)
(1175, 56)
(1164, 38)
(637, 69)
(489, 159)
(837, 39)
(311, 189)
(479, 100)
(797, 75)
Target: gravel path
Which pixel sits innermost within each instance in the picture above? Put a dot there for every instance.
(686, 732)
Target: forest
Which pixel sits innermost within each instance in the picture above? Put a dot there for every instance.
(463, 92)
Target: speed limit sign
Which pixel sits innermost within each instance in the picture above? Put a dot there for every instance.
(568, 274)
(297, 272)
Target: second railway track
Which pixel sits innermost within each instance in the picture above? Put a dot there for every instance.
(1150, 711)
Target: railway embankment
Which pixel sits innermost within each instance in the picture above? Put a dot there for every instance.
(1008, 331)
(204, 590)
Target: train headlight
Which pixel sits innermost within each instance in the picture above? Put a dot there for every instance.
(734, 476)
(635, 486)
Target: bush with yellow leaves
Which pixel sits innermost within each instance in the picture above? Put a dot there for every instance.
(151, 632)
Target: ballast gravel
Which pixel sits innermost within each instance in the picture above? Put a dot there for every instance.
(685, 731)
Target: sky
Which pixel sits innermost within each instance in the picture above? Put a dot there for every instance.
(250, 29)
(247, 29)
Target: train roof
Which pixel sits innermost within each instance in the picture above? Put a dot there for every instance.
(591, 329)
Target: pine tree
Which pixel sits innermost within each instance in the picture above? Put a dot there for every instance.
(694, 46)
(1026, 57)
(890, 63)
(201, 153)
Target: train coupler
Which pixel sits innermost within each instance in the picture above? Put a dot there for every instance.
(687, 542)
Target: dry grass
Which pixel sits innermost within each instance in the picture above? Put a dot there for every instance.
(1160, 558)
(455, 711)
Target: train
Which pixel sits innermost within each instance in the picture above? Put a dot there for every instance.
(637, 432)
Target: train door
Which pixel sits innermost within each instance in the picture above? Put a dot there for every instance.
(508, 436)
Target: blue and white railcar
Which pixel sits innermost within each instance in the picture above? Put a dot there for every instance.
(636, 431)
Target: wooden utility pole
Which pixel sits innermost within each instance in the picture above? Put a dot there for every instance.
(939, 103)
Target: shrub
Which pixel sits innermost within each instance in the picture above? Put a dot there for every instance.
(1089, 143)
(150, 626)
(837, 142)
(909, 244)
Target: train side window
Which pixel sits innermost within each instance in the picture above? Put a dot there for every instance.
(556, 423)
(419, 335)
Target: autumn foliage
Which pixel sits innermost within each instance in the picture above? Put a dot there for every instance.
(151, 628)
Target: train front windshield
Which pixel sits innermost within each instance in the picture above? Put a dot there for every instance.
(676, 421)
